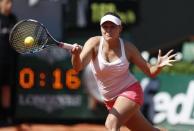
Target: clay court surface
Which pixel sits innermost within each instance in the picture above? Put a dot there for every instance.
(42, 127)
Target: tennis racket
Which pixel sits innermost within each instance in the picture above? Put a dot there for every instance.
(30, 36)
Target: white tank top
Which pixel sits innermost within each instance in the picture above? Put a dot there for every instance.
(112, 77)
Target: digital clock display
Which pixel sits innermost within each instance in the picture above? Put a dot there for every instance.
(46, 83)
(27, 79)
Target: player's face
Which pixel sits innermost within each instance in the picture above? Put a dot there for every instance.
(110, 30)
(5, 6)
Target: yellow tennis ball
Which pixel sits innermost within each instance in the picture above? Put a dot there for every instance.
(29, 41)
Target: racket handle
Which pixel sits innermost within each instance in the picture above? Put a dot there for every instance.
(66, 46)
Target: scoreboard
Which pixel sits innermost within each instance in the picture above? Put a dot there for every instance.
(49, 89)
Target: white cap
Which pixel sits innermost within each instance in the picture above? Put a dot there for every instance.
(110, 18)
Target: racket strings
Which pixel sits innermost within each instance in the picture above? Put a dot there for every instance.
(20, 34)
(41, 36)
(28, 29)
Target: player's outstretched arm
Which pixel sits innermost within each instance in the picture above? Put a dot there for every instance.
(81, 57)
(151, 70)
(75, 59)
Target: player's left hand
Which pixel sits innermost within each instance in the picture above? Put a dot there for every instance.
(166, 60)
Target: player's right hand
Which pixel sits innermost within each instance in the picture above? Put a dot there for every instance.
(76, 50)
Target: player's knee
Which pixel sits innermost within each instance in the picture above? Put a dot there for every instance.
(112, 123)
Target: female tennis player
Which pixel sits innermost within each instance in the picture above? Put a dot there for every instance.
(109, 57)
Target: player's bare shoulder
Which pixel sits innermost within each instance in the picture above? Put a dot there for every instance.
(93, 44)
(94, 41)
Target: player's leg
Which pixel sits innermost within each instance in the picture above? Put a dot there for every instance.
(138, 123)
(121, 112)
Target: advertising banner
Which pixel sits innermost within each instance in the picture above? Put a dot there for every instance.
(171, 100)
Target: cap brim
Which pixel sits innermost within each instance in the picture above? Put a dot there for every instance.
(110, 18)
